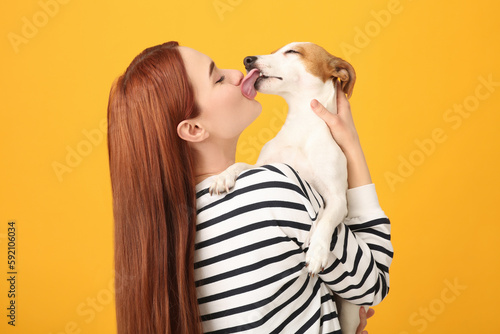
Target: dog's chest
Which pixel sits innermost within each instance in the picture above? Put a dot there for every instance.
(304, 143)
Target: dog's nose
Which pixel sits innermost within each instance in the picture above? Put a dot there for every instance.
(249, 61)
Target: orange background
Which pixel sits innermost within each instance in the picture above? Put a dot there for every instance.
(426, 105)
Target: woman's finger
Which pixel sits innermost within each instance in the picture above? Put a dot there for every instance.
(362, 320)
(321, 111)
(342, 102)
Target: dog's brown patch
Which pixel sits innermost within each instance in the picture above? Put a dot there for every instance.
(325, 66)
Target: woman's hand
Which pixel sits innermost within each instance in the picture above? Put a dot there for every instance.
(341, 125)
(363, 316)
(344, 133)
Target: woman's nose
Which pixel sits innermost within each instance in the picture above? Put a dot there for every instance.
(238, 77)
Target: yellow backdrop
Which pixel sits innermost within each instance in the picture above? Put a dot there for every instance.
(426, 105)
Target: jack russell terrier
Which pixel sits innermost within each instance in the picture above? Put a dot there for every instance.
(301, 72)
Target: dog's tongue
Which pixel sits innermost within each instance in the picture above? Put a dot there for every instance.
(247, 85)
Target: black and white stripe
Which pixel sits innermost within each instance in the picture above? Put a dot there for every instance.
(250, 260)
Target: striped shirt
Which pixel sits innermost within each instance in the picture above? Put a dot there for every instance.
(250, 255)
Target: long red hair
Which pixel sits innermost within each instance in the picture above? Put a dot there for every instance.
(154, 197)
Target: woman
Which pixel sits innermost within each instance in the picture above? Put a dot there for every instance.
(174, 120)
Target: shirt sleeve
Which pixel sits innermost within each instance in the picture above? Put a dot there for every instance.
(361, 248)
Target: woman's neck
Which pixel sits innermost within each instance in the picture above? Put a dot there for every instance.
(213, 157)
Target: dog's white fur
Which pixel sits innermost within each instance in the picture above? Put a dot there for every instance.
(305, 142)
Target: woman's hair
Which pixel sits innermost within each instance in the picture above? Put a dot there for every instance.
(154, 197)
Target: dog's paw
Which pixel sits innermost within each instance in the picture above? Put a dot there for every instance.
(225, 181)
(317, 255)
(318, 240)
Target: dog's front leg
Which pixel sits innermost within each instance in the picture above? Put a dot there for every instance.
(321, 236)
(225, 180)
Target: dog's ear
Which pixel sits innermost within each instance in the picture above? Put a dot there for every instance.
(344, 71)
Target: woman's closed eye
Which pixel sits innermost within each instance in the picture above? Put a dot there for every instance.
(221, 79)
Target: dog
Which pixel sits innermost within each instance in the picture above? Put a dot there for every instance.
(301, 72)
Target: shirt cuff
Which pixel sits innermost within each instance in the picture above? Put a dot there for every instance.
(362, 201)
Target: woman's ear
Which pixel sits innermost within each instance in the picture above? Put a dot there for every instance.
(192, 131)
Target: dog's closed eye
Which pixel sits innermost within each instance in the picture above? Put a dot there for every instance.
(292, 51)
